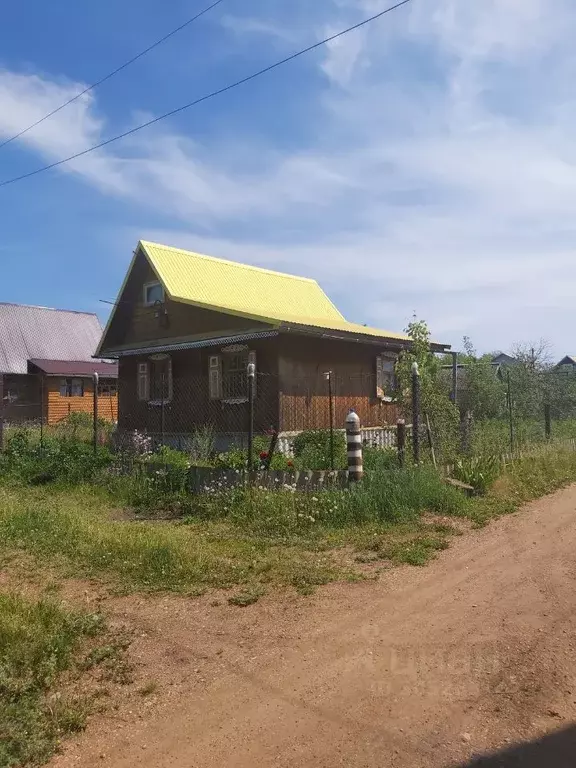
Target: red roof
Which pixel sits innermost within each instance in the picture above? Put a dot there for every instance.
(79, 368)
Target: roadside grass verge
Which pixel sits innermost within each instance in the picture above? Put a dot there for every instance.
(252, 538)
(39, 640)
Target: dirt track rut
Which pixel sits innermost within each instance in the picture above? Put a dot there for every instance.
(424, 667)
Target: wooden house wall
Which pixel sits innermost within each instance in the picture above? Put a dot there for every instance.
(135, 322)
(303, 395)
(58, 407)
(21, 398)
(191, 407)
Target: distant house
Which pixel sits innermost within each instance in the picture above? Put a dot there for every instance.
(567, 363)
(185, 327)
(46, 365)
(503, 359)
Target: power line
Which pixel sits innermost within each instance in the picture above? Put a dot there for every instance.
(111, 74)
(206, 97)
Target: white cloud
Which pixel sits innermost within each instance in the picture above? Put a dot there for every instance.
(442, 180)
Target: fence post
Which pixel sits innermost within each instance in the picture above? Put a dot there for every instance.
(454, 393)
(415, 413)
(354, 447)
(95, 379)
(401, 441)
(547, 421)
(328, 376)
(251, 372)
(431, 441)
(271, 449)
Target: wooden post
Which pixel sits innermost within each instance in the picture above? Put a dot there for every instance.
(454, 393)
(251, 372)
(401, 441)
(271, 449)
(430, 441)
(415, 413)
(354, 447)
(162, 404)
(95, 379)
(547, 421)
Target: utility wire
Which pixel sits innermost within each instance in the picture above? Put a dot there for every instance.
(207, 96)
(111, 74)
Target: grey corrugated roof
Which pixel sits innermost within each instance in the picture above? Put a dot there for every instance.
(49, 334)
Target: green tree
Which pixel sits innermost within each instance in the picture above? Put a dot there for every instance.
(434, 392)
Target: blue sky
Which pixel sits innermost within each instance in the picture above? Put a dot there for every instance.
(425, 163)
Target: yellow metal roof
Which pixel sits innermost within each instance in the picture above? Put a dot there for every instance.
(237, 288)
(247, 291)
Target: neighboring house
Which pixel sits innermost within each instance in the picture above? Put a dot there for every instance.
(46, 365)
(503, 359)
(185, 327)
(567, 363)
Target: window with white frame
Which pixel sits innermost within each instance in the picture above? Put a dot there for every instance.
(385, 377)
(228, 373)
(153, 293)
(154, 379)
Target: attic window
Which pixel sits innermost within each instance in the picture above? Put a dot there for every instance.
(153, 292)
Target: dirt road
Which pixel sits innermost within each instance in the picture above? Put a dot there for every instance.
(424, 667)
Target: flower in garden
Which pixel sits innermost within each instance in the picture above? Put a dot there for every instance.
(263, 455)
(290, 463)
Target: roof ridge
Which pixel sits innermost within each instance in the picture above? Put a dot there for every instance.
(230, 261)
(50, 309)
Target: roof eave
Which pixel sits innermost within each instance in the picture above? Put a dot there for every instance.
(340, 335)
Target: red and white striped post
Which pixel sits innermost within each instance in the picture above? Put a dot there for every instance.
(354, 447)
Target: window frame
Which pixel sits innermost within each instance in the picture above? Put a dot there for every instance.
(217, 374)
(386, 379)
(146, 287)
(68, 383)
(145, 383)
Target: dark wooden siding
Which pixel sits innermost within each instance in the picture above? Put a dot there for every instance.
(135, 322)
(191, 407)
(304, 402)
(21, 398)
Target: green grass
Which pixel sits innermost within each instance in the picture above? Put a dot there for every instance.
(252, 538)
(38, 640)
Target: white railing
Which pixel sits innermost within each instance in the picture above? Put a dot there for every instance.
(375, 437)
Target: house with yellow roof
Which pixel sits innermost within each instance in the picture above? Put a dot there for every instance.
(185, 327)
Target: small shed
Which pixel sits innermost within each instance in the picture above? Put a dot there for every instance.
(46, 365)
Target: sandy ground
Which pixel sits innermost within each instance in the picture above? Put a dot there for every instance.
(425, 667)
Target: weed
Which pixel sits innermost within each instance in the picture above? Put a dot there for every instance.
(247, 597)
(38, 640)
(148, 688)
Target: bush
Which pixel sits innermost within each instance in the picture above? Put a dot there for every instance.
(312, 449)
(57, 459)
(380, 458)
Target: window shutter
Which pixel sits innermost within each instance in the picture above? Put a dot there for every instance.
(380, 390)
(252, 359)
(215, 377)
(143, 381)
